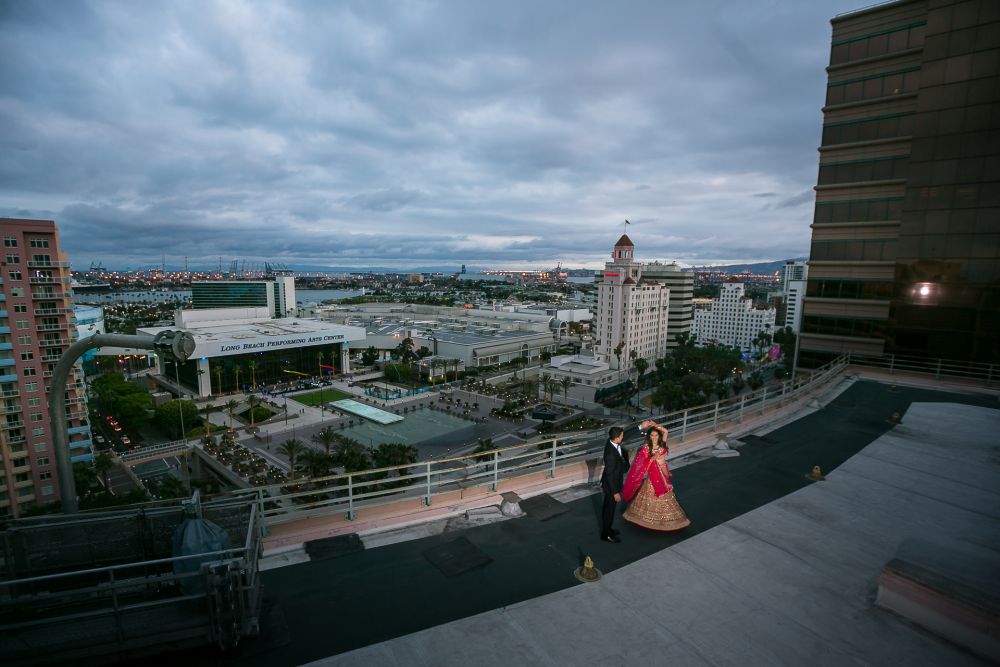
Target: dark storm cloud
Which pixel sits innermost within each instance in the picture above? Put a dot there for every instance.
(405, 133)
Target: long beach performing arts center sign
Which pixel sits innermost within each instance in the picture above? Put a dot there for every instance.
(229, 347)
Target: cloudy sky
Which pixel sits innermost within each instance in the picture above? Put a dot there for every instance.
(411, 133)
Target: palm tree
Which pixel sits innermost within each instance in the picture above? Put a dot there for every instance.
(218, 376)
(456, 362)
(531, 388)
(238, 368)
(642, 366)
(102, 466)
(253, 373)
(208, 425)
(618, 355)
(565, 382)
(201, 373)
(390, 454)
(351, 454)
(292, 449)
(231, 406)
(315, 463)
(325, 437)
(252, 402)
(550, 385)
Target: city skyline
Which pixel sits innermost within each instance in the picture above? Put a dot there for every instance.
(416, 134)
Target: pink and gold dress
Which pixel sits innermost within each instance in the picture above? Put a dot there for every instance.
(653, 503)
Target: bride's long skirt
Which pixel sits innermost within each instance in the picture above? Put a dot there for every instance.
(648, 511)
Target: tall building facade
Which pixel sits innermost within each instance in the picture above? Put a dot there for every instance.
(732, 320)
(632, 313)
(794, 296)
(36, 327)
(905, 255)
(792, 270)
(277, 295)
(680, 282)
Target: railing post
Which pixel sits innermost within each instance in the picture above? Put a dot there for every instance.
(784, 390)
(120, 633)
(552, 472)
(427, 498)
(496, 469)
(715, 417)
(892, 363)
(763, 400)
(684, 425)
(937, 372)
(989, 375)
(743, 402)
(350, 497)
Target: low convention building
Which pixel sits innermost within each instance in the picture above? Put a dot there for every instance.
(244, 349)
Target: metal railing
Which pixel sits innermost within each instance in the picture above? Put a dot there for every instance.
(939, 368)
(50, 586)
(155, 451)
(349, 493)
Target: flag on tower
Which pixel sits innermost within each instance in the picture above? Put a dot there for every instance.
(627, 222)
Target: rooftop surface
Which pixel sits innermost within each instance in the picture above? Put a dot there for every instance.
(775, 569)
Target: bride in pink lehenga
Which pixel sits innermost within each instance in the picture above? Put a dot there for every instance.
(653, 504)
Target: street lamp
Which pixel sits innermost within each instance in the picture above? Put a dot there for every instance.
(178, 345)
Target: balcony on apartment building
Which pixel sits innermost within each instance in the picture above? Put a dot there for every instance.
(48, 295)
(47, 264)
(52, 311)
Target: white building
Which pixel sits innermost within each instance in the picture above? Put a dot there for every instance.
(476, 337)
(791, 271)
(244, 349)
(632, 313)
(795, 292)
(731, 319)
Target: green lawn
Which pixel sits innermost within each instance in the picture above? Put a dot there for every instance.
(324, 395)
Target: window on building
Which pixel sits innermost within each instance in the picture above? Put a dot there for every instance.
(48, 490)
(42, 461)
(34, 402)
(39, 243)
(45, 475)
(20, 307)
(38, 431)
(29, 371)
(13, 259)
(31, 386)
(37, 416)
(24, 340)
(27, 356)
(10, 242)
(15, 275)
(16, 292)
(41, 446)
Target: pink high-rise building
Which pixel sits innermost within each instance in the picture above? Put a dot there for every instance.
(36, 327)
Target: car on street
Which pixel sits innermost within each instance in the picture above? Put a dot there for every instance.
(126, 441)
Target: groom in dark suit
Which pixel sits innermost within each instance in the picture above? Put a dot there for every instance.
(615, 466)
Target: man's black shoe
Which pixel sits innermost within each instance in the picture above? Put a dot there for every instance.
(611, 538)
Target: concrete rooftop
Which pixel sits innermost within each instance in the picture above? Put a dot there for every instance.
(775, 569)
(790, 583)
